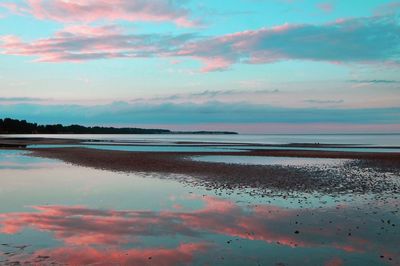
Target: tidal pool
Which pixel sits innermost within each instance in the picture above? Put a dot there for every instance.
(269, 160)
(142, 148)
(52, 212)
(168, 147)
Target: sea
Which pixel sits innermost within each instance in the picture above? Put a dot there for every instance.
(358, 139)
(56, 213)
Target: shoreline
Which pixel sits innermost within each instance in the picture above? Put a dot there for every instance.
(365, 172)
(26, 141)
(356, 176)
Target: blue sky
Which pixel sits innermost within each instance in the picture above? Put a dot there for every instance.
(203, 64)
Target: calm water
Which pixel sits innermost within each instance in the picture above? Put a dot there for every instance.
(198, 148)
(51, 212)
(225, 143)
(270, 160)
(142, 148)
(363, 139)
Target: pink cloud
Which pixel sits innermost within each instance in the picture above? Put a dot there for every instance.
(105, 10)
(215, 64)
(361, 41)
(80, 43)
(346, 41)
(13, 7)
(326, 7)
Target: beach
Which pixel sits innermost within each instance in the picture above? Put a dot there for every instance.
(368, 168)
(137, 202)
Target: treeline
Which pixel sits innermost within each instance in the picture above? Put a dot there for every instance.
(13, 126)
(204, 132)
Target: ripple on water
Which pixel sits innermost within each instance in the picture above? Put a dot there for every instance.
(65, 214)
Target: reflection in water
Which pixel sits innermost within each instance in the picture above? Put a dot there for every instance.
(361, 139)
(181, 255)
(53, 213)
(111, 230)
(14, 160)
(270, 160)
(210, 148)
(141, 148)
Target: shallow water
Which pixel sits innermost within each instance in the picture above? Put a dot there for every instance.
(142, 148)
(54, 212)
(339, 149)
(270, 160)
(199, 148)
(362, 139)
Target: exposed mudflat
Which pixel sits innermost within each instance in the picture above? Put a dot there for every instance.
(112, 207)
(366, 172)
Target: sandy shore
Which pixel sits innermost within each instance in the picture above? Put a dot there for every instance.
(366, 172)
(353, 176)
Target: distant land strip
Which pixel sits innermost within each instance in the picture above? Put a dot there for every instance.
(14, 126)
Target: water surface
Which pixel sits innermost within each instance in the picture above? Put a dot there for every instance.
(141, 148)
(270, 160)
(51, 212)
(361, 139)
(227, 143)
(206, 148)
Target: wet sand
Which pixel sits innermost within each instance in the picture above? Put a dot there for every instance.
(365, 172)
(97, 209)
(354, 176)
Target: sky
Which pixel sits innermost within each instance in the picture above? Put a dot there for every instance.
(253, 66)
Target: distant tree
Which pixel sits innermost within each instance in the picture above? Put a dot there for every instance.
(13, 126)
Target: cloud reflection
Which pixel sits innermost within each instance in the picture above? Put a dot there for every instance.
(181, 255)
(89, 228)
